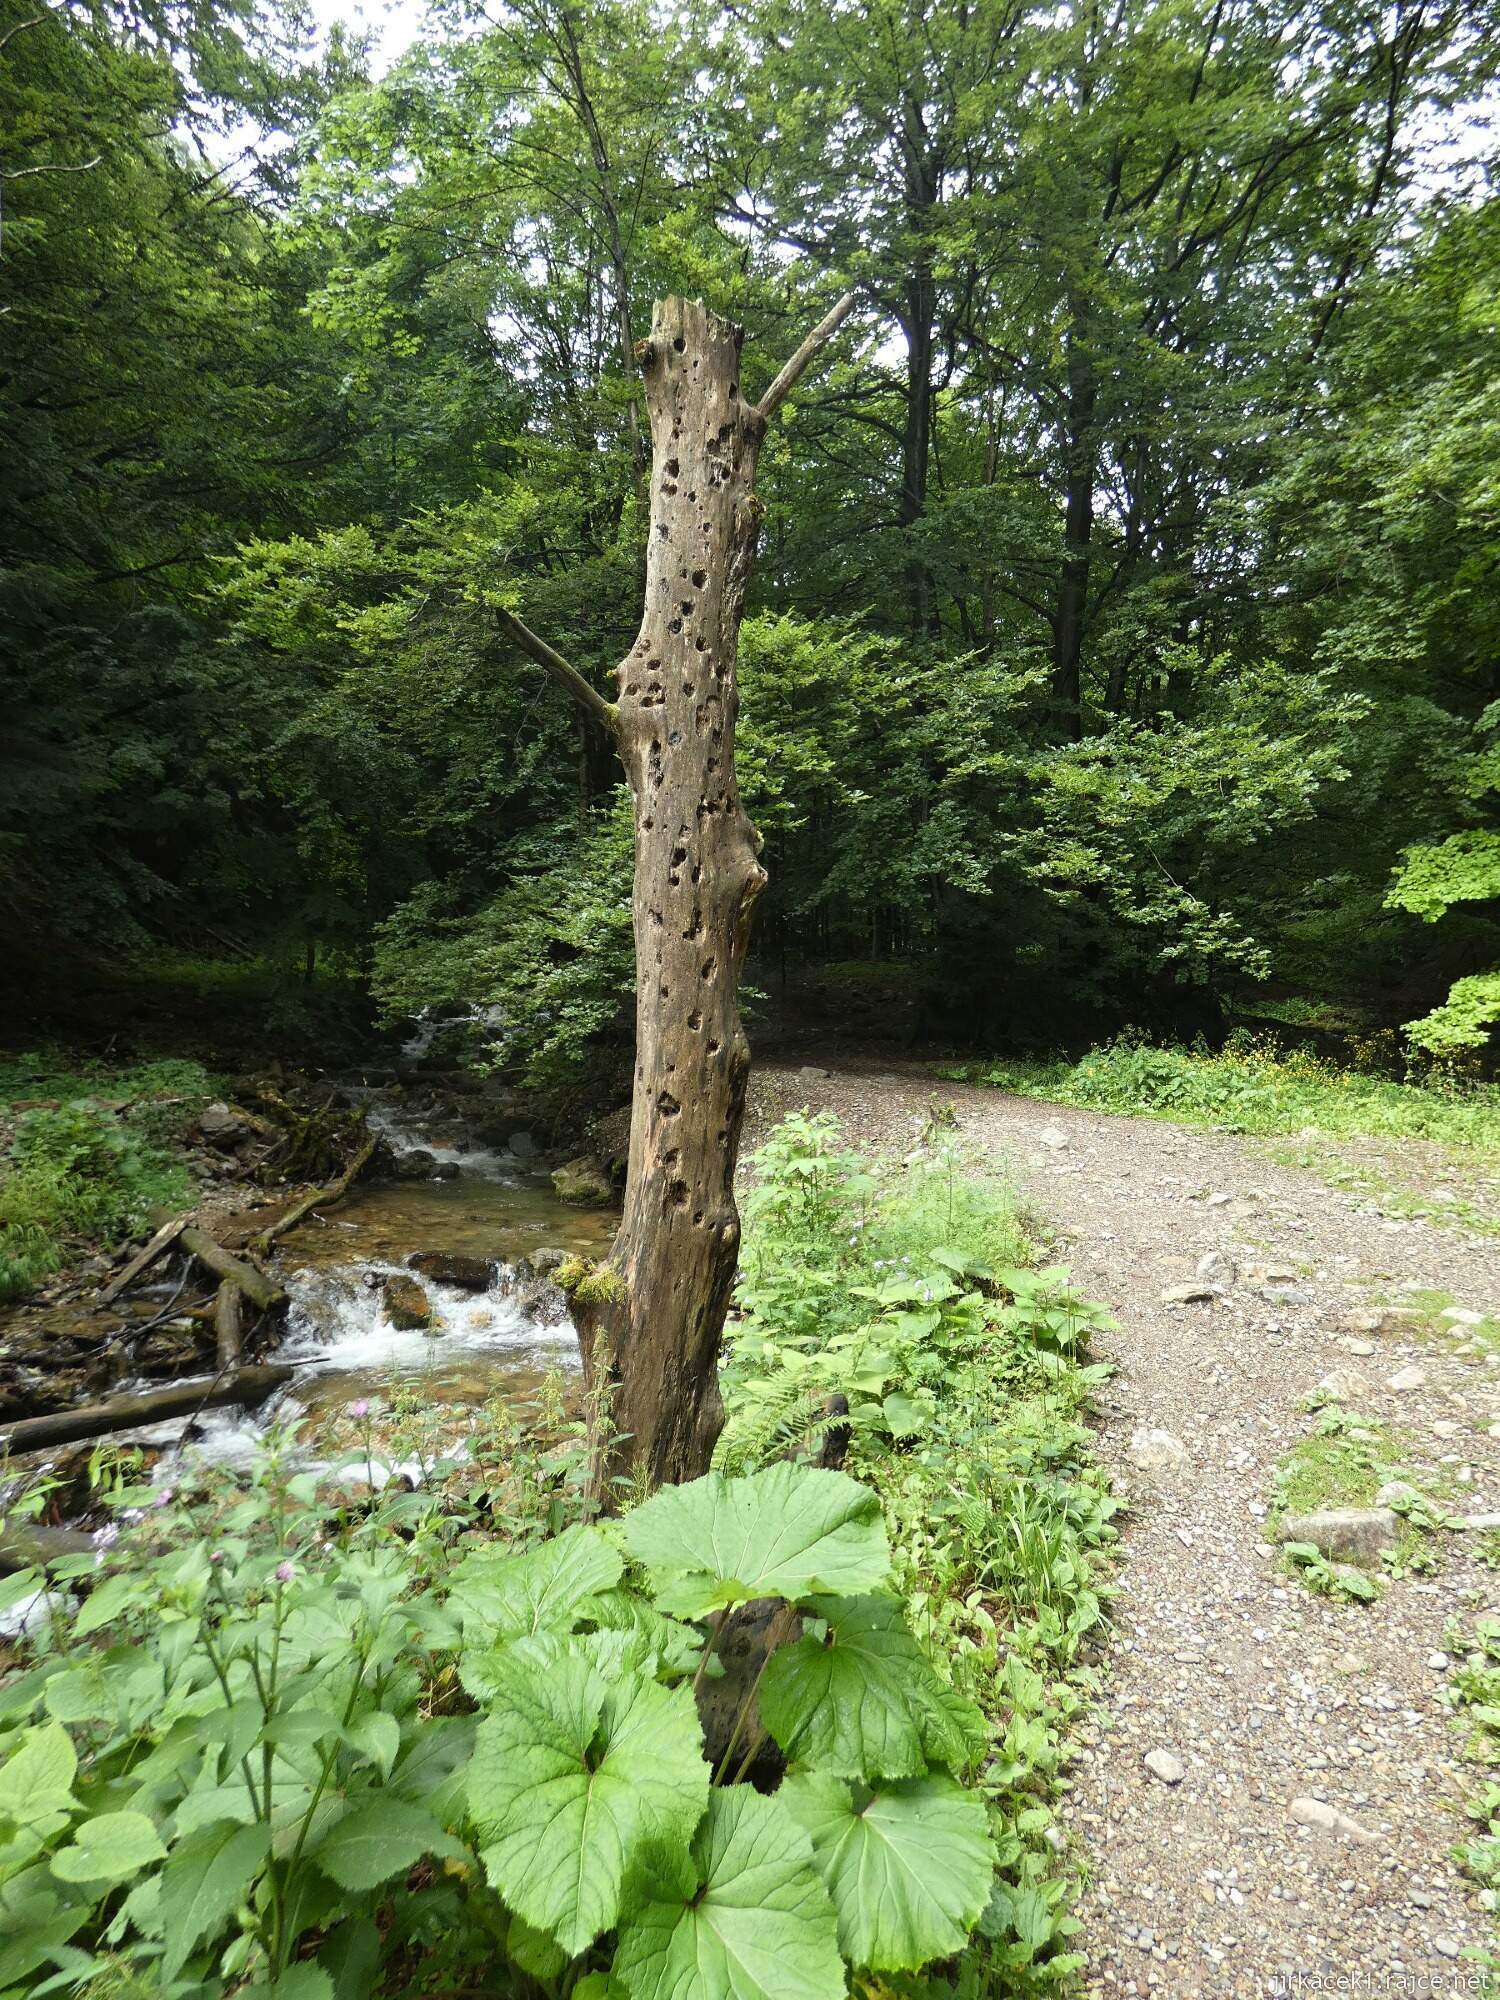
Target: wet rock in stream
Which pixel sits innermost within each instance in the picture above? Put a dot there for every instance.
(583, 1183)
(454, 1267)
(405, 1305)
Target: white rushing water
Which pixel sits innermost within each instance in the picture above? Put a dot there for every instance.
(336, 1323)
(404, 1138)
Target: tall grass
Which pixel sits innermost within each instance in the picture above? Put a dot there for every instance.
(1252, 1085)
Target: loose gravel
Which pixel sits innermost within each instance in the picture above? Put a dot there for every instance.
(1270, 1798)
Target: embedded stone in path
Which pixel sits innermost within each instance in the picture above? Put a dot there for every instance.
(1408, 1378)
(1350, 1534)
(1318, 1813)
(1163, 1765)
(1344, 1385)
(1157, 1451)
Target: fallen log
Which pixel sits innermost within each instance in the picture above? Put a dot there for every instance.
(229, 1332)
(164, 1238)
(27, 1544)
(246, 1386)
(258, 1288)
(323, 1197)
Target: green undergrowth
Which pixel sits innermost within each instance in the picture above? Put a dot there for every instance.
(1345, 1460)
(1254, 1086)
(298, 1741)
(911, 1293)
(86, 1152)
(1473, 1693)
(1444, 1206)
(1428, 1311)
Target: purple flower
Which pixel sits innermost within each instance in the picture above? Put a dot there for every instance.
(284, 1572)
(359, 1409)
(165, 1497)
(216, 1556)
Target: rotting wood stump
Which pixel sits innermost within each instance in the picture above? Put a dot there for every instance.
(650, 1318)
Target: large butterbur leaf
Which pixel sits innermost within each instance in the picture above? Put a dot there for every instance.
(865, 1703)
(503, 1597)
(790, 1531)
(748, 1919)
(573, 1777)
(908, 1866)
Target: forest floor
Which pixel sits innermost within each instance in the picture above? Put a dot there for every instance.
(1272, 1704)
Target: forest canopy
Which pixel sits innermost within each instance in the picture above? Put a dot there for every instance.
(1124, 645)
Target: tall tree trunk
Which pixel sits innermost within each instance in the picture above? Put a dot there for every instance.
(916, 438)
(650, 1318)
(1078, 529)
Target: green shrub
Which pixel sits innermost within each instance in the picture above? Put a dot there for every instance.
(1252, 1085)
(553, 957)
(93, 1167)
(908, 1290)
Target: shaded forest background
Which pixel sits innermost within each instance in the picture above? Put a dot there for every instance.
(1125, 643)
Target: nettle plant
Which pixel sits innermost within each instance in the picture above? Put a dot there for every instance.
(308, 1759)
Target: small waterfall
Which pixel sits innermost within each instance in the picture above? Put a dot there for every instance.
(336, 1325)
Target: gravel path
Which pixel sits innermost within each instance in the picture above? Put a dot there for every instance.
(1266, 1694)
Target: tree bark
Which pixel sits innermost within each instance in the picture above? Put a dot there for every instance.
(258, 1288)
(229, 1332)
(323, 1197)
(162, 1241)
(126, 1413)
(650, 1319)
(1078, 528)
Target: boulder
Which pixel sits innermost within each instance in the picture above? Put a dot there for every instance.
(1348, 1534)
(222, 1127)
(417, 1165)
(583, 1183)
(1370, 1320)
(405, 1305)
(521, 1146)
(453, 1267)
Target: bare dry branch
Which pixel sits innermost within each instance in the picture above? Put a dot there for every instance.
(794, 370)
(588, 698)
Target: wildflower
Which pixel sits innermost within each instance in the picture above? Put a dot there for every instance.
(360, 1409)
(165, 1497)
(216, 1556)
(284, 1572)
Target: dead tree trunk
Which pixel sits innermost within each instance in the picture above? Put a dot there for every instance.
(650, 1319)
